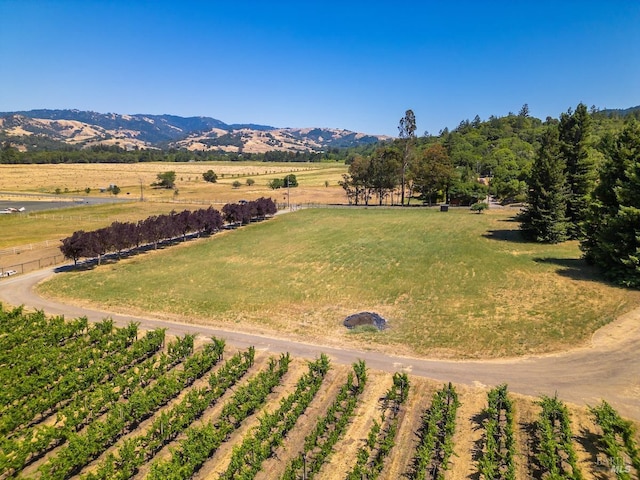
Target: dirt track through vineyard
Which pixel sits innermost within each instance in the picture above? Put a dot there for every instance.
(608, 368)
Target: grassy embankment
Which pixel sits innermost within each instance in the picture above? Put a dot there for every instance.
(451, 284)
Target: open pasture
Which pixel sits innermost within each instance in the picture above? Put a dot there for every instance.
(33, 227)
(135, 180)
(456, 284)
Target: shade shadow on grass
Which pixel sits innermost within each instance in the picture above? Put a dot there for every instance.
(574, 268)
(506, 236)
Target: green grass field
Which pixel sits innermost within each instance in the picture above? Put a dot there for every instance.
(453, 284)
(56, 224)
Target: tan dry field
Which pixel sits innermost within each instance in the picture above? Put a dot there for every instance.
(468, 437)
(75, 178)
(193, 192)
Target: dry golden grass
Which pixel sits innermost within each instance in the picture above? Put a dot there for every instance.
(450, 284)
(75, 178)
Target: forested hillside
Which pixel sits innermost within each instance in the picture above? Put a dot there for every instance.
(465, 164)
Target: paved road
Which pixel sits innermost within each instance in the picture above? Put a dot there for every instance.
(609, 368)
(35, 201)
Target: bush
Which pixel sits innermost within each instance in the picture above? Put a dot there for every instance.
(275, 183)
(479, 207)
(165, 180)
(210, 176)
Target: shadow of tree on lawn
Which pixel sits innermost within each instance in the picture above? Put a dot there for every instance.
(574, 268)
(507, 235)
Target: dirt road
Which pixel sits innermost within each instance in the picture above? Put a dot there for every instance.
(608, 369)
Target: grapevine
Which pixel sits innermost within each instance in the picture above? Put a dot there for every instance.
(82, 448)
(138, 450)
(259, 444)
(318, 445)
(617, 440)
(557, 456)
(381, 437)
(202, 441)
(436, 435)
(497, 459)
(16, 453)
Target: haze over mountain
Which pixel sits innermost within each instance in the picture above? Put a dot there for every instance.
(80, 129)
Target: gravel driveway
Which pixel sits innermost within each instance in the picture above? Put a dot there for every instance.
(608, 369)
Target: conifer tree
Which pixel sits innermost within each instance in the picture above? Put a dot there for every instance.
(544, 219)
(613, 225)
(574, 131)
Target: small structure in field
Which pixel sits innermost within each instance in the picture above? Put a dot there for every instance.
(365, 318)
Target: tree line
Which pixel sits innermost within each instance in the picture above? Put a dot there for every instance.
(54, 154)
(120, 237)
(411, 168)
(595, 199)
(463, 165)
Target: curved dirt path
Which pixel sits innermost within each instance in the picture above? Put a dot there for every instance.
(609, 368)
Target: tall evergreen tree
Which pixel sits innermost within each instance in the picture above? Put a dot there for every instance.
(613, 225)
(544, 219)
(574, 131)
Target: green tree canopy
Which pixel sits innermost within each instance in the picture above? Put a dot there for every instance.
(210, 176)
(407, 134)
(575, 132)
(432, 172)
(612, 227)
(544, 219)
(166, 180)
(383, 170)
(288, 181)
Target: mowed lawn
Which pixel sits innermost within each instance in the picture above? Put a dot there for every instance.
(453, 285)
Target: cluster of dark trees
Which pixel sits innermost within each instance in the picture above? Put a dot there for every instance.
(165, 180)
(612, 223)
(120, 237)
(286, 182)
(210, 176)
(245, 212)
(587, 188)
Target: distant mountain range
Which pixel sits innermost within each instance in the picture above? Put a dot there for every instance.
(619, 112)
(36, 129)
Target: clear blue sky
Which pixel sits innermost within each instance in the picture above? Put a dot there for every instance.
(354, 65)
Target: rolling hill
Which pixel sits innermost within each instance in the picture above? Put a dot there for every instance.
(81, 129)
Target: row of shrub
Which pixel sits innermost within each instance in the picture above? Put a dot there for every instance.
(122, 237)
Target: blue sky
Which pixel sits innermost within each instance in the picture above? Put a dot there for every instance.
(354, 65)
